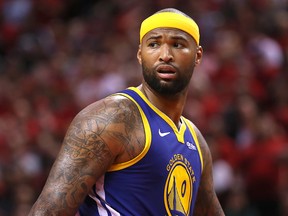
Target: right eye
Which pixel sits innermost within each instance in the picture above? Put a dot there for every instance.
(153, 44)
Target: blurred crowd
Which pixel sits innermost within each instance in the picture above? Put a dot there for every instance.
(57, 56)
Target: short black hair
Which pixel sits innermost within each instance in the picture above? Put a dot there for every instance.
(173, 10)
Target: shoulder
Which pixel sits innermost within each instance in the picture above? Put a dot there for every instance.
(113, 104)
(107, 111)
(113, 121)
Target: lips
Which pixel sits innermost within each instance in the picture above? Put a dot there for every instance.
(166, 71)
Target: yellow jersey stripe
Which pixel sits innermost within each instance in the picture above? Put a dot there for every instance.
(148, 137)
(179, 133)
(189, 123)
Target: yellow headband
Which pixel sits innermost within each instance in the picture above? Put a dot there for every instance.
(170, 20)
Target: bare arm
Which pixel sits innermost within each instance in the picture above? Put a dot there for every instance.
(99, 136)
(207, 203)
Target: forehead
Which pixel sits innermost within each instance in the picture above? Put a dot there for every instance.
(168, 32)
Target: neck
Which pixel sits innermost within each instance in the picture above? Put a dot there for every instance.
(172, 105)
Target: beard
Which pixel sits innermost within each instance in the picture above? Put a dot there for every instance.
(166, 87)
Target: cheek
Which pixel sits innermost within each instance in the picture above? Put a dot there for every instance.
(187, 55)
(186, 61)
(148, 59)
(146, 55)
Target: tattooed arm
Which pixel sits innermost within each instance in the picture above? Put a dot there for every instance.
(99, 136)
(207, 203)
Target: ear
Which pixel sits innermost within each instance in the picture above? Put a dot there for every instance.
(139, 55)
(199, 54)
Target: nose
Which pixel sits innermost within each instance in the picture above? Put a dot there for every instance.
(166, 54)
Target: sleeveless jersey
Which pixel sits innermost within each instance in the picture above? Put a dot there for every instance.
(162, 180)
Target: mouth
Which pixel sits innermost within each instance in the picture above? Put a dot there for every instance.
(166, 71)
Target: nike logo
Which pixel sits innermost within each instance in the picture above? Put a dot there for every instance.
(163, 134)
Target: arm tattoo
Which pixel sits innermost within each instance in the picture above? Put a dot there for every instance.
(93, 141)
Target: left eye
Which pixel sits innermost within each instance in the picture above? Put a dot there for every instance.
(178, 45)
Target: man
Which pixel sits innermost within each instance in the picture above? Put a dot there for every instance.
(133, 153)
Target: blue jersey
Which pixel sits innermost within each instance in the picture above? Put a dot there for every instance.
(162, 180)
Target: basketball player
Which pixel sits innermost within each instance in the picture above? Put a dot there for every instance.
(133, 153)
